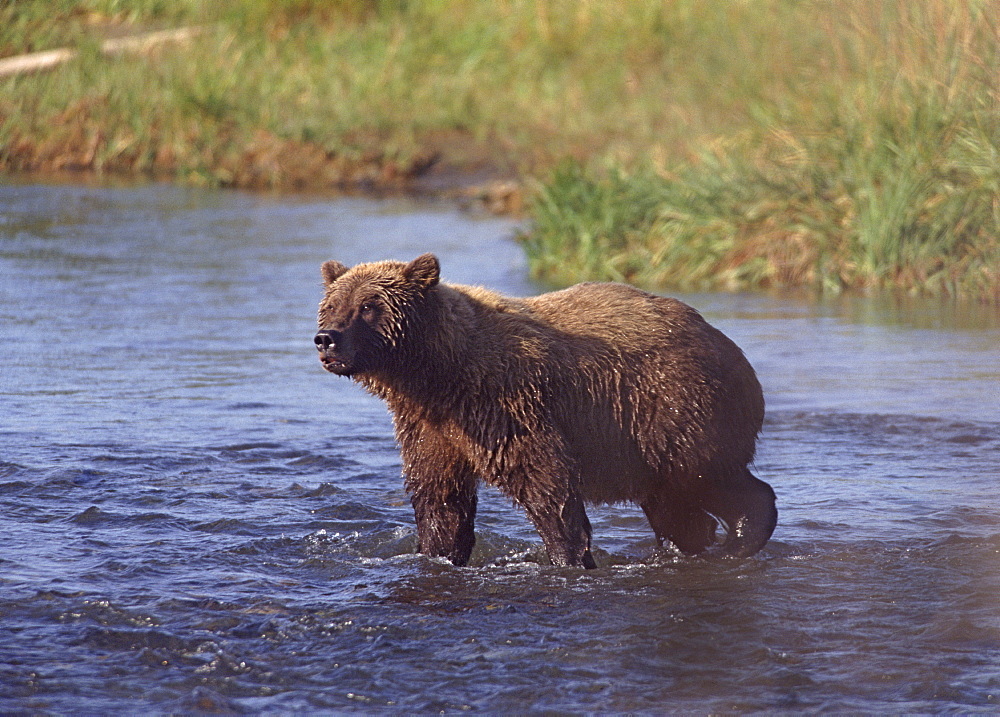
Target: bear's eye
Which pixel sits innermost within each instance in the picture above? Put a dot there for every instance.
(367, 310)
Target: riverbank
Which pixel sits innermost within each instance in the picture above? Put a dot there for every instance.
(723, 146)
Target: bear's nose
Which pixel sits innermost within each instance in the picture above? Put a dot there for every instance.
(326, 339)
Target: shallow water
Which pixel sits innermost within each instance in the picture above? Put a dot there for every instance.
(197, 517)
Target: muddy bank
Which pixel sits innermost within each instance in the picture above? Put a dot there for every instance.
(450, 166)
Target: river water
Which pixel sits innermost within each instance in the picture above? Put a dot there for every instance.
(196, 517)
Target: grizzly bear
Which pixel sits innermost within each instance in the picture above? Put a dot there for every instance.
(599, 393)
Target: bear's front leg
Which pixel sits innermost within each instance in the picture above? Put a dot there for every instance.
(442, 488)
(564, 527)
(543, 480)
(446, 513)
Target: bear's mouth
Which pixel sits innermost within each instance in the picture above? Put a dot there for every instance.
(335, 365)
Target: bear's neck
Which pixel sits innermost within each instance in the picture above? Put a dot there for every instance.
(438, 352)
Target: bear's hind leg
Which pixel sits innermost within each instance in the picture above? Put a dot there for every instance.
(683, 523)
(747, 507)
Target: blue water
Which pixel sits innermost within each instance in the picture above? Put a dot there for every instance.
(198, 518)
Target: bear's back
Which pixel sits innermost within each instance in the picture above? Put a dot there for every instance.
(627, 318)
(670, 379)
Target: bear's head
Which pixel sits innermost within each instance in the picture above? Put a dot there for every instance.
(369, 310)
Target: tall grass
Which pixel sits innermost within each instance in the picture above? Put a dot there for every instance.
(883, 171)
(688, 143)
(520, 84)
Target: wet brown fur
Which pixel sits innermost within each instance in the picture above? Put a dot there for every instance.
(598, 393)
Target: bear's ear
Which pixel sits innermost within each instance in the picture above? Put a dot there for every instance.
(333, 270)
(424, 270)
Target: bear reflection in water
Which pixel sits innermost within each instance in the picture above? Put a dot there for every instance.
(598, 393)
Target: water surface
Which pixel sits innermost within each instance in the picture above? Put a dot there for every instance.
(197, 517)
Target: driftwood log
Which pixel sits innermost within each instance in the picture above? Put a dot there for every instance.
(37, 61)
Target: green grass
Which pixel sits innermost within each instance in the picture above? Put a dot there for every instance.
(683, 143)
(523, 84)
(882, 173)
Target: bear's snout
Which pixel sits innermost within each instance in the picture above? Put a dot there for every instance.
(334, 351)
(327, 339)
